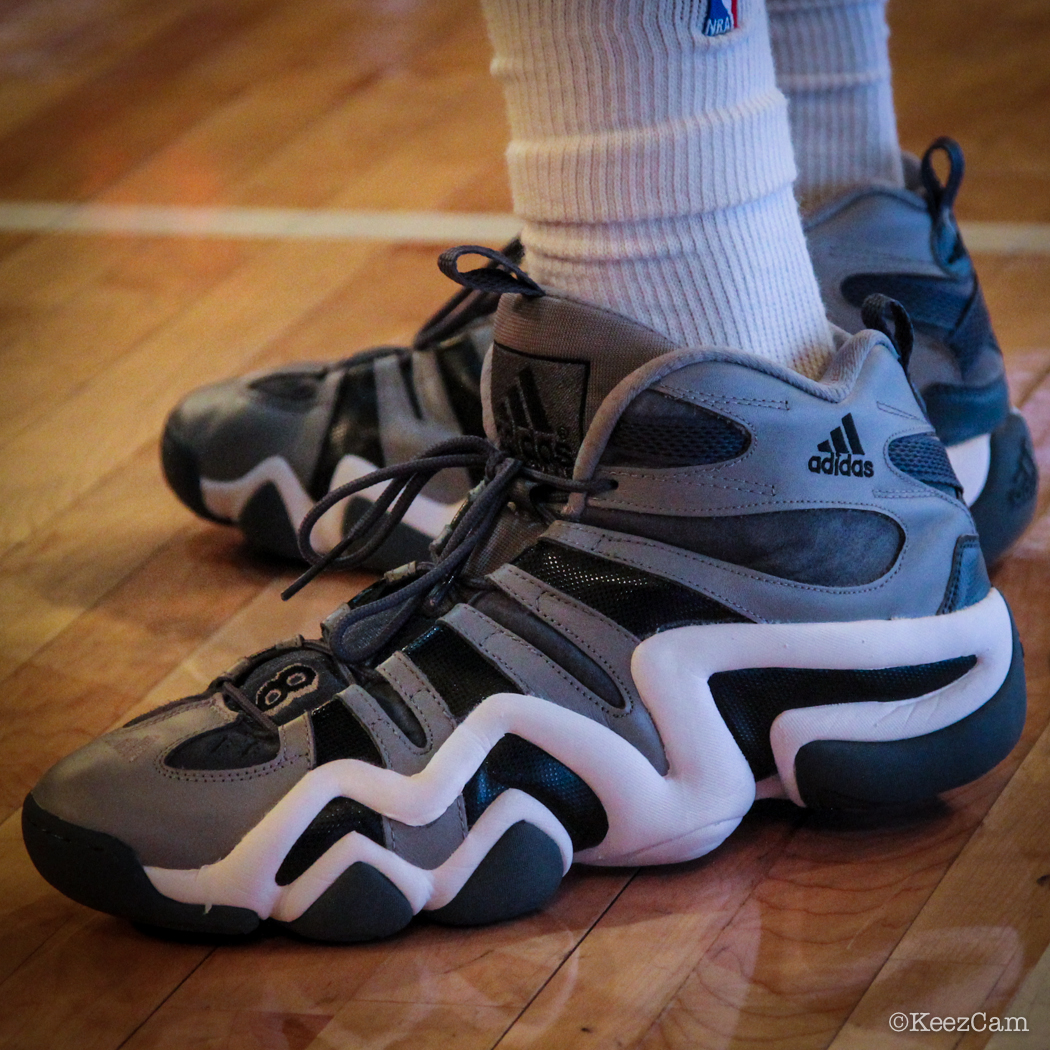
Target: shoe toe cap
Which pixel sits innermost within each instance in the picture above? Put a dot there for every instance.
(223, 430)
(120, 785)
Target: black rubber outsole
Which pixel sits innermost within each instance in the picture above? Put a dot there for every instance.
(182, 473)
(101, 872)
(1006, 505)
(520, 874)
(855, 775)
(264, 520)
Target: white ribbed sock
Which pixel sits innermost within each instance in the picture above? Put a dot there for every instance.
(832, 62)
(651, 166)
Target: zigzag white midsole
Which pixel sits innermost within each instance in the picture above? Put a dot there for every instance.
(971, 460)
(227, 499)
(652, 818)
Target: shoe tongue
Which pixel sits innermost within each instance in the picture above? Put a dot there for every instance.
(291, 682)
(554, 361)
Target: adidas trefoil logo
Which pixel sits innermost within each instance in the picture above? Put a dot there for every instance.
(525, 431)
(843, 453)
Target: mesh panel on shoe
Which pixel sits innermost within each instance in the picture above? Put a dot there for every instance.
(829, 546)
(460, 367)
(638, 601)
(660, 431)
(923, 457)
(338, 734)
(516, 763)
(461, 675)
(750, 699)
(338, 818)
(968, 582)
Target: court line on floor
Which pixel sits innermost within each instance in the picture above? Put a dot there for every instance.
(419, 227)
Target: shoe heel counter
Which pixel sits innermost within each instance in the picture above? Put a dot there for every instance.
(968, 582)
(941, 539)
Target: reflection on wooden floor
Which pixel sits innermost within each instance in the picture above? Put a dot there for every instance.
(798, 933)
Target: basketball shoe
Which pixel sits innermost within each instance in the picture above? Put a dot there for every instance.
(689, 578)
(258, 451)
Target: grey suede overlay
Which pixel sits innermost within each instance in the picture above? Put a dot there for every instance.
(404, 435)
(787, 423)
(171, 818)
(537, 675)
(882, 230)
(432, 712)
(608, 644)
(762, 598)
(431, 844)
(774, 474)
(234, 428)
(397, 751)
(559, 327)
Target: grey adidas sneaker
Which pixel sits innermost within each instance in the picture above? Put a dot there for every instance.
(906, 244)
(257, 451)
(690, 578)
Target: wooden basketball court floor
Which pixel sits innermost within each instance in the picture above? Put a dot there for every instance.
(798, 933)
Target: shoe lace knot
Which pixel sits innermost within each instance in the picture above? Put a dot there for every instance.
(358, 630)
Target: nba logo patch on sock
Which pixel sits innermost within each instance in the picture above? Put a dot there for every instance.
(721, 17)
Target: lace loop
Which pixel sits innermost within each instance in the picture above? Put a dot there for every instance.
(243, 703)
(500, 277)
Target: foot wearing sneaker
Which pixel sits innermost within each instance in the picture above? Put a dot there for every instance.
(905, 243)
(259, 451)
(691, 578)
(902, 242)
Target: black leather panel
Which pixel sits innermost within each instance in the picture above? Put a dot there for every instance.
(827, 548)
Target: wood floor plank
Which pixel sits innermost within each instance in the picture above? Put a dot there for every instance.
(48, 51)
(51, 338)
(55, 576)
(91, 984)
(96, 669)
(989, 89)
(216, 334)
(50, 351)
(790, 967)
(639, 954)
(31, 912)
(1016, 287)
(427, 984)
(984, 927)
(109, 124)
(219, 332)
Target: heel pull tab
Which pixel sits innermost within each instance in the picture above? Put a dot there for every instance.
(501, 277)
(464, 307)
(945, 241)
(878, 311)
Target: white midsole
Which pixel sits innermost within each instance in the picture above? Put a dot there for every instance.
(227, 499)
(971, 460)
(652, 818)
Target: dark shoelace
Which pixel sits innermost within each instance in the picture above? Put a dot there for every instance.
(362, 630)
